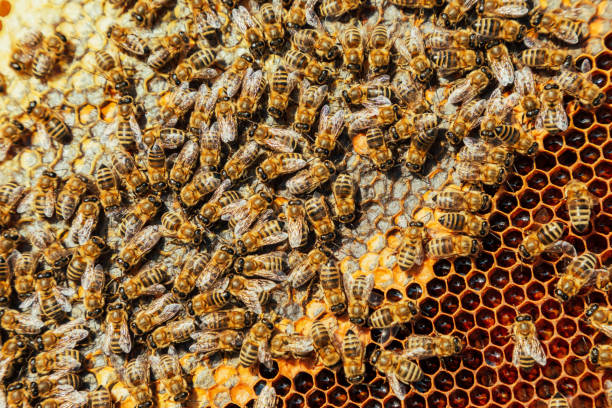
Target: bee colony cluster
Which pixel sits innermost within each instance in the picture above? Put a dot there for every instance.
(301, 203)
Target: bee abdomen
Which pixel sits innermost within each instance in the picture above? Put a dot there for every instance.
(550, 233)
(579, 213)
(381, 318)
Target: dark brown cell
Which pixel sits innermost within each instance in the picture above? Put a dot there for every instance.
(449, 304)
(282, 385)
(581, 345)
(566, 328)
(607, 150)
(603, 115)
(535, 291)
(551, 309)
(268, 373)
(486, 377)
(582, 173)
(429, 307)
(552, 143)
(324, 379)
(464, 379)
(506, 258)
(485, 318)
(414, 291)
(464, 321)
(379, 388)
(393, 402)
(589, 384)
(537, 180)
(598, 135)
(567, 386)
(472, 358)
(552, 196)
(574, 307)
(493, 356)
(462, 265)
(458, 399)
(560, 176)
(501, 394)
(444, 381)
(599, 78)
(294, 401)
(303, 382)
(506, 315)
(523, 392)
(545, 389)
(337, 396)
(499, 278)
(589, 154)
(498, 221)
(436, 400)
(456, 284)
(608, 41)
(598, 187)
(514, 295)
(372, 404)
(567, 157)
(574, 366)
(444, 324)
(358, 393)
(477, 280)
(436, 287)
(506, 203)
(512, 238)
(315, 399)
(376, 297)
(394, 295)
(470, 301)
(552, 369)
(508, 374)
(529, 199)
(415, 401)
(479, 396)
(500, 336)
(545, 329)
(558, 347)
(604, 60)
(523, 165)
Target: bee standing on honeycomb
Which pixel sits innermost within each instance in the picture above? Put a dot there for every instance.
(293, 136)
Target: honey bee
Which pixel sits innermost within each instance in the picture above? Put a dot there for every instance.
(12, 132)
(100, 398)
(125, 127)
(419, 347)
(343, 189)
(393, 314)
(527, 348)
(297, 228)
(84, 258)
(136, 376)
(330, 127)
(352, 40)
(455, 11)
(319, 216)
(20, 323)
(235, 319)
(67, 360)
(206, 23)
(195, 67)
(209, 342)
(168, 369)
(379, 113)
(369, 91)
(242, 159)
(412, 49)
(24, 50)
(53, 252)
(44, 194)
(255, 345)
(127, 41)
(23, 272)
(581, 272)
(156, 313)
(9, 239)
(600, 318)
(168, 48)
(263, 234)
(448, 246)
(12, 354)
(469, 224)
(323, 335)
(577, 85)
(267, 266)
(118, 79)
(307, 268)
(579, 202)
(185, 281)
(309, 67)
(251, 292)
(284, 345)
(466, 89)
(177, 226)
(353, 361)
(219, 263)
(249, 210)
(316, 41)
(85, 220)
(552, 116)
(453, 61)
(146, 13)
(17, 395)
(93, 286)
(544, 58)
(180, 101)
(203, 182)
(65, 397)
(46, 386)
(250, 30)
(200, 122)
(500, 29)
(125, 166)
(70, 195)
(441, 39)
(601, 355)
(212, 211)
(148, 281)
(279, 164)
(116, 337)
(156, 168)
(10, 194)
(138, 246)
(210, 146)
(46, 57)
(481, 173)
(500, 63)
(398, 369)
(300, 13)
(49, 123)
(207, 302)
(308, 180)
(380, 43)
(417, 153)
(184, 164)
(138, 215)
(311, 98)
(282, 82)
(546, 239)
(278, 139)
(525, 85)
(378, 151)
(270, 17)
(410, 253)
(561, 24)
(110, 198)
(503, 8)
(358, 291)
(453, 199)
(479, 151)
(177, 331)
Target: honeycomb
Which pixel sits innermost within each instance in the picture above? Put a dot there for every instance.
(475, 299)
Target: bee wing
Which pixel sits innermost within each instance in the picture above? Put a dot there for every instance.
(415, 40)
(28, 320)
(560, 117)
(279, 143)
(274, 238)
(565, 33)
(512, 10)
(311, 16)
(348, 281)
(397, 387)
(562, 247)
(234, 210)
(462, 91)
(535, 350)
(70, 339)
(136, 129)
(125, 342)
(300, 183)
(28, 303)
(323, 116)
(110, 129)
(264, 356)
(244, 223)
(299, 345)
(266, 398)
(502, 69)
(84, 233)
(106, 338)
(363, 119)
(227, 128)
(49, 206)
(336, 123)
(27, 202)
(89, 276)
(295, 230)
(205, 341)
(473, 111)
(416, 353)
